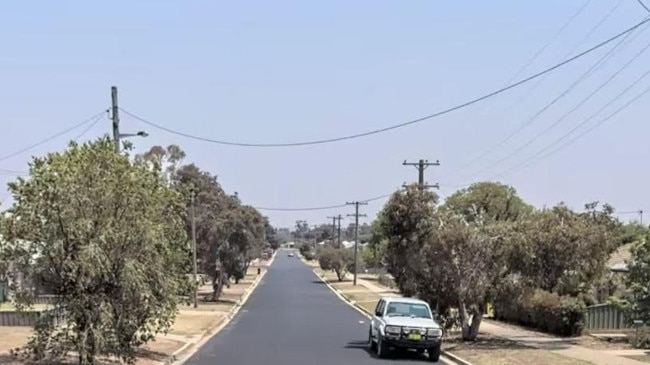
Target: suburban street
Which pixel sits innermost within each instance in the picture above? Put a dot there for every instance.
(292, 318)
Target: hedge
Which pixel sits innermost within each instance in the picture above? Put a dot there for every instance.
(545, 311)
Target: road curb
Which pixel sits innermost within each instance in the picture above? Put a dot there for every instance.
(450, 357)
(456, 358)
(173, 358)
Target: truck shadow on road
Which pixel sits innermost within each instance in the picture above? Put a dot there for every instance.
(395, 354)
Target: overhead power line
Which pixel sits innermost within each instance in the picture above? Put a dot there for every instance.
(65, 131)
(12, 172)
(551, 41)
(400, 125)
(326, 207)
(531, 160)
(539, 156)
(567, 114)
(539, 81)
(89, 127)
(644, 5)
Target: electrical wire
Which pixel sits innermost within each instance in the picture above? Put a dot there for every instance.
(644, 5)
(89, 127)
(563, 117)
(327, 207)
(488, 151)
(400, 125)
(532, 160)
(67, 130)
(548, 44)
(12, 172)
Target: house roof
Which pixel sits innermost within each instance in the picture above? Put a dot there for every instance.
(617, 261)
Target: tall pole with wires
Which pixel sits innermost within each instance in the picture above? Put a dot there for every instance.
(194, 265)
(421, 166)
(356, 216)
(116, 118)
(336, 232)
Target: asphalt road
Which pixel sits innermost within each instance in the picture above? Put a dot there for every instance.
(292, 318)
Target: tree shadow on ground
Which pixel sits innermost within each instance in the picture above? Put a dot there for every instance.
(151, 355)
(220, 301)
(7, 359)
(486, 342)
(402, 355)
(318, 282)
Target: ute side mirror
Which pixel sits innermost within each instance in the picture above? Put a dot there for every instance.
(378, 313)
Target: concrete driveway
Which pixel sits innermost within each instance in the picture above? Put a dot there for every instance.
(292, 318)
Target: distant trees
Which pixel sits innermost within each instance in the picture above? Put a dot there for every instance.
(229, 235)
(339, 260)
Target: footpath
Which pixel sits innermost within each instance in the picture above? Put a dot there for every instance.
(498, 343)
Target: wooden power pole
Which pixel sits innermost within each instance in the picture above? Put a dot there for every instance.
(356, 216)
(116, 118)
(421, 166)
(336, 231)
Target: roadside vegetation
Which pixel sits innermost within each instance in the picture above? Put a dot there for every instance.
(485, 252)
(108, 236)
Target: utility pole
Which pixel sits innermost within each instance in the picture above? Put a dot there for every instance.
(641, 216)
(333, 226)
(334, 229)
(339, 231)
(356, 216)
(115, 118)
(421, 166)
(193, 210)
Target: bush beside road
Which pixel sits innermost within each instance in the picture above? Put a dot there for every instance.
(493, 346)
(190, 326)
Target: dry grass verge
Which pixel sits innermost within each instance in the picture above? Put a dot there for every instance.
(190, 324)
(488, 350)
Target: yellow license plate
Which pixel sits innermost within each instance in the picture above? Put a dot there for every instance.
(415, 336)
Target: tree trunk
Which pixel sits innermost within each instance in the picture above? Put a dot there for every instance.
(340, 274)
(217, 285)
(477, 318)
(470, 320)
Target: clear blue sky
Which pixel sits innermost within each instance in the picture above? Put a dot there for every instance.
(285, 71)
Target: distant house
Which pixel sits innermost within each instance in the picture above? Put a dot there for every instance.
(12, 276)
(618, 260)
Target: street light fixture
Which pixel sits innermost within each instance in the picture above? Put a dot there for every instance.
(139, 134)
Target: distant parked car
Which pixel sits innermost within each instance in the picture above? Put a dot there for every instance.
(406, 323)
(290, 254)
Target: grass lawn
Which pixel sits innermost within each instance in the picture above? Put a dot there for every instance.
(196, 323)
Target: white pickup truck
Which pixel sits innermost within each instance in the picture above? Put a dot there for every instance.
(408, 323)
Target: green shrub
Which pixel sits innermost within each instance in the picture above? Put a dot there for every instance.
(541, 310)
